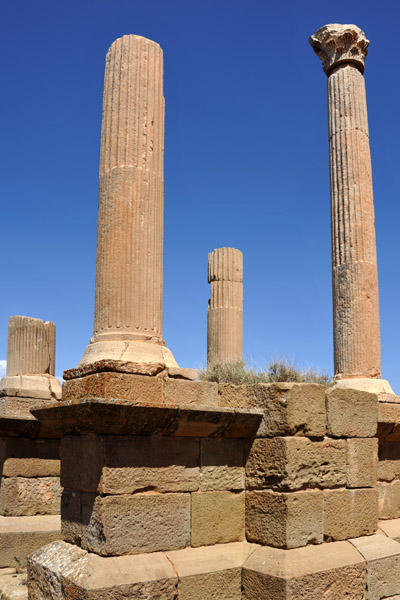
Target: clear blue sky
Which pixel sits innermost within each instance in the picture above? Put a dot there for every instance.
(246, 165)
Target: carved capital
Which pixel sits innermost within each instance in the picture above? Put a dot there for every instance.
(337, 44)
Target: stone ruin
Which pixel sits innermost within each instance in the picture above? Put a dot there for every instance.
(174, 488)
(225, 307)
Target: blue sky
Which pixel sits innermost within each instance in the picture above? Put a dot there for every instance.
(246, 165)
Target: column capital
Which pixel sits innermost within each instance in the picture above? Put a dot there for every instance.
(337, 44)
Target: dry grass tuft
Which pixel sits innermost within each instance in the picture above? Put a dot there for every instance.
(279, 370)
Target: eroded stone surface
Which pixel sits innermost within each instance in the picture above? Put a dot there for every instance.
(351, 413)
(293, 463)
(114, 525)
(362, 462)
(217, 518)
(289, 408)
(127, 465)
(329, 571)
(350, 513)
(284, 520)
(20, 536)
(25, 496)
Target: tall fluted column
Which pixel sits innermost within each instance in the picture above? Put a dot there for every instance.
(30, 360)
(225, 310)
(357, 354)
(129, 272)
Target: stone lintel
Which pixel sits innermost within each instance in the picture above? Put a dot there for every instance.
(25, 427)
(118, 417)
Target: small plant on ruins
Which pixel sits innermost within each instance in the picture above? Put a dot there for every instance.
(237, 373)
(278, 370)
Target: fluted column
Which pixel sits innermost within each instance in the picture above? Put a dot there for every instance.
(342, 49)
(129, 269)
(30, 360)
(31, 346)
(225, 310)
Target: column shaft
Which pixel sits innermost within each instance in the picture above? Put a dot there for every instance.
(354, 264)
(128, 302)
(225, 311)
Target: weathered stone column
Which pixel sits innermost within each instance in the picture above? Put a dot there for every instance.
(129, 275)
(29, 461)
(357, 354)
(30, 360)
(225, 310)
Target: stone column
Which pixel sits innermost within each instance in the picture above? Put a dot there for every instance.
(30, 361)
(129, 274)
(225, 310)
(342, 49)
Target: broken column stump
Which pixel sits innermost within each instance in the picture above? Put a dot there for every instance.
(30, 490)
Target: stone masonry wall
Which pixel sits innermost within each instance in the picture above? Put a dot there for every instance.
(311, 473)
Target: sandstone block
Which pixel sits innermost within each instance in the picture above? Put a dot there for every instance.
(31, 467)
(389, 461)
(20, 536)
(116, 525)
(284, 520)
(217, 518)
(350, 513)
(351, 413)
(289, 408)
(391, 528)
(210, 571)
(222, 464)
(71, 514)
(13, 407)
(127, 386)
(202, 393)
(227, 584)
(61, 571)
(389, 499)
(22, 496)
(329, 571)
(127, 464)
(293, 463)
(362, 462)
(46, 449)
(188, 562)
(383, 565)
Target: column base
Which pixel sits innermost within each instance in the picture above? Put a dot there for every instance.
(191, 573)
(20, 536)
(129, 356)
(41, 387)
(366, 384)
(236, 571)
